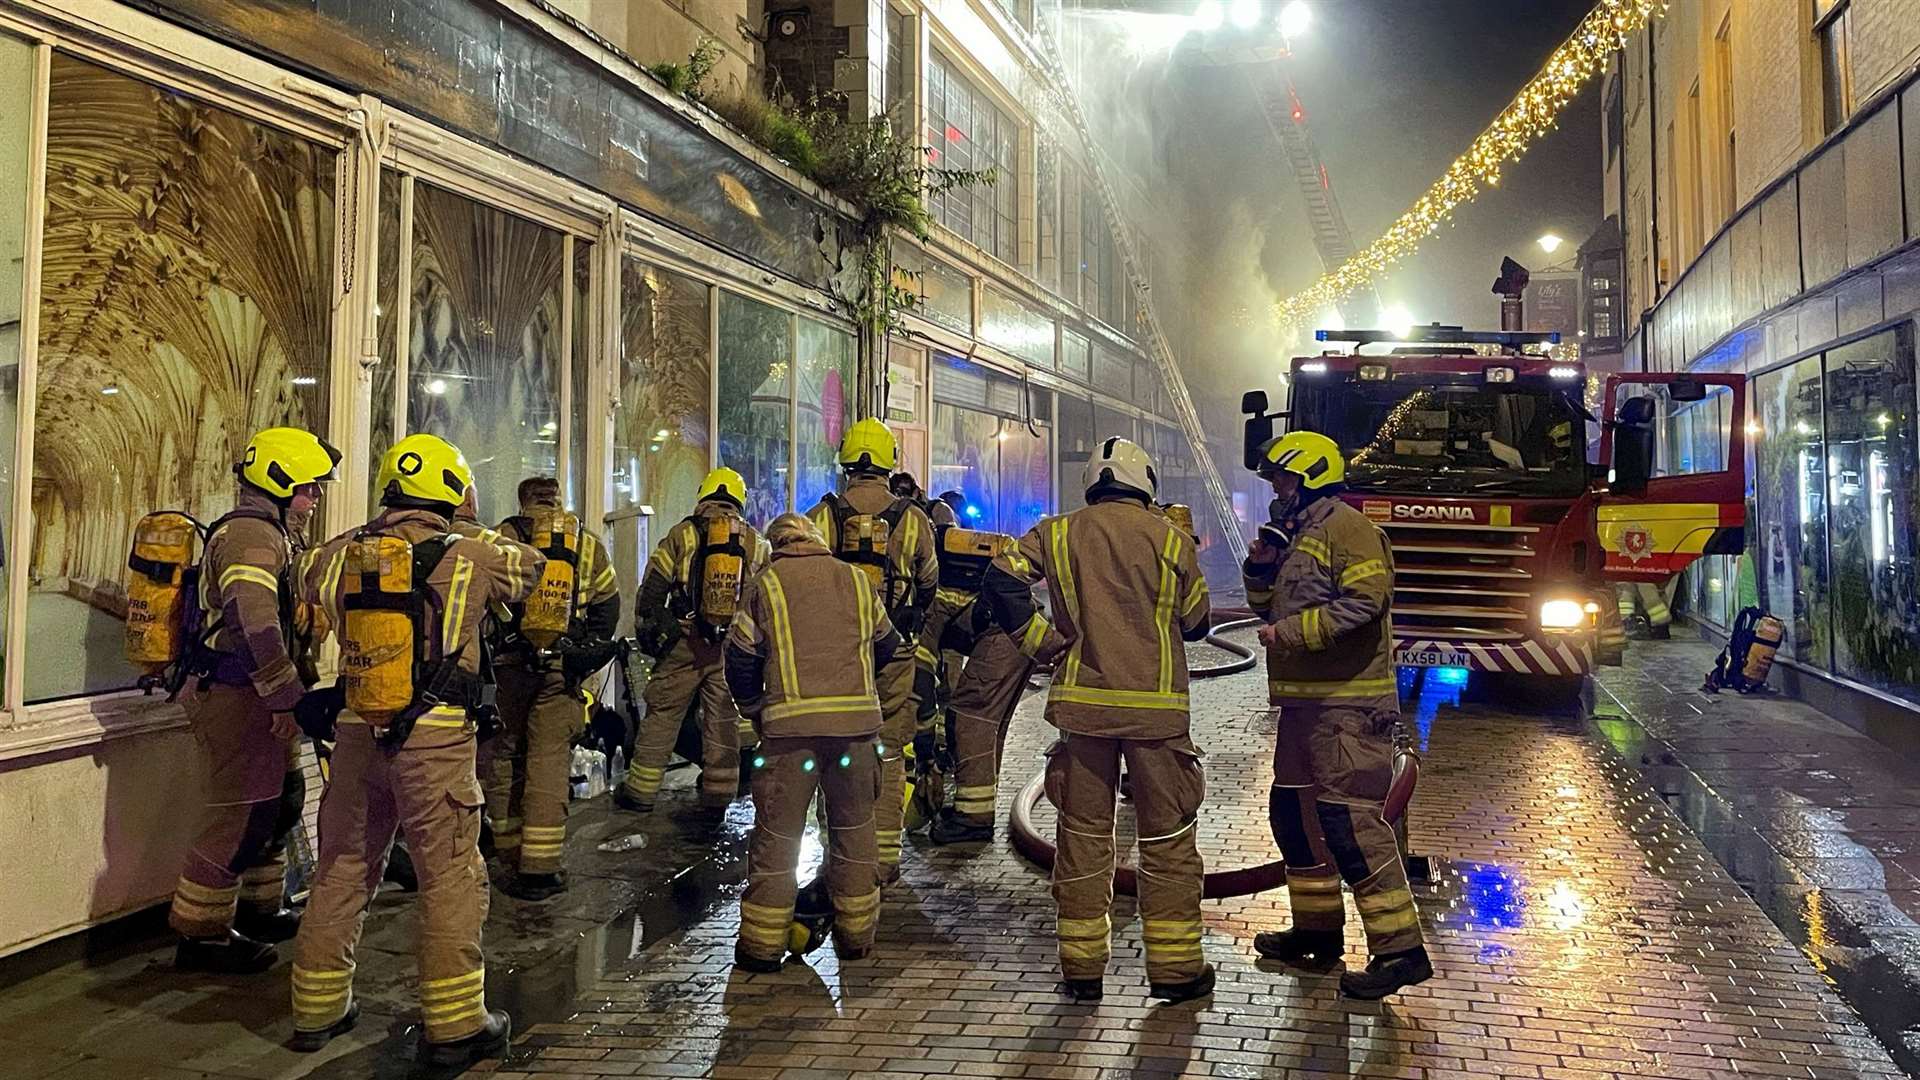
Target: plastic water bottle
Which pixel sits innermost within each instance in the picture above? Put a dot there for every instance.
(617, 775)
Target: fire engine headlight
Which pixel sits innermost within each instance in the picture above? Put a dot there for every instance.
(1563, 615)
(1373, 372)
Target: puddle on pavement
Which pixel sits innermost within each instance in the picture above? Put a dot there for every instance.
(1856, 937)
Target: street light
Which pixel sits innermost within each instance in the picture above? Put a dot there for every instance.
(1245, 13)
(1294, 18)
(1208, 17)
(1550, 243)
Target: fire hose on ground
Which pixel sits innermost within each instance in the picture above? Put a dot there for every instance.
(1219, 884)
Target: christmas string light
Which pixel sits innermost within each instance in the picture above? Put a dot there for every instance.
(1533, 112)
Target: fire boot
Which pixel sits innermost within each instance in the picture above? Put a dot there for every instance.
(269, 926)
(1083, 990)
(490, 1041)
(948, 828)
(630, 804)
(1387, 974)
(234, 954)
(1175, 993)
(1314, 950)
(309, 1042)
(534, 887)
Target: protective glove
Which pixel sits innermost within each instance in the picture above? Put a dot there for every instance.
(909, 620)
(318, 710)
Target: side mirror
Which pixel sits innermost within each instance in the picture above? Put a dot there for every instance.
(1253, 402)
(1258, 433)
(1686, 390)
(1632, 459)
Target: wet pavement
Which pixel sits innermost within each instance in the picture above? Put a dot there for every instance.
(1579, 928)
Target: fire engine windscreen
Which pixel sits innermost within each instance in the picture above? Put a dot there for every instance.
(1451, 434)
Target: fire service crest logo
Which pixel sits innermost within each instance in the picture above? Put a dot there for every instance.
(1636, 543)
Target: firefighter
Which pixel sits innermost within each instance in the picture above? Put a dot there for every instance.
(801, 659)
(890, 540)
(1126, 589)
(228, 906)
(529, 761)
(408, 598)
(686, 602)
(982, 671)
(1321, 577)
(1645, 610)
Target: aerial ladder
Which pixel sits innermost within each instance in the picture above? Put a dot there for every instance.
(1158, 347)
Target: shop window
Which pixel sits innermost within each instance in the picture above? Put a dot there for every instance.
(991, 440)
(187, 280)
(756, 401)
(825, 404)
(1871, 492)
(485, 356)
(1077, 440)
(1076, 355)
(661, 435)
(386, 306)
(966, 459)
(16, 90)
(1789, 536)
(582, 347)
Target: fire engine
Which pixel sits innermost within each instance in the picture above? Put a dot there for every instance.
(1471, 450)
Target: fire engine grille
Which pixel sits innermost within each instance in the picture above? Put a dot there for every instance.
(1462, 581)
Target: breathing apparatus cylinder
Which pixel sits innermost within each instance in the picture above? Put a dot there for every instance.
(1768, 633)
(377, 644)
(548, 613)
(722, 571)
(157, 594)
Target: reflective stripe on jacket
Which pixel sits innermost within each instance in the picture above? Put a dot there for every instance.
(1126, 591)
(803, 647)
(1330, 600)
(916, 564)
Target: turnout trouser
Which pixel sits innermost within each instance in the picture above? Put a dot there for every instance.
(427, 787)
(1331, 769)
(848, 770)
(984, 697)
(1082, 778)
(526, 765)
(1645, 599)
(255, 793)
(895, 685)
(691, 672)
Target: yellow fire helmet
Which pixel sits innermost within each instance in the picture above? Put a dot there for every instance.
(279, 459)
(869, 444)
(724, 483)
(426, 468)
(791, 528)
(1313, 457)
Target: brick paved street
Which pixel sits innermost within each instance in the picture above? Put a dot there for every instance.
(1579, 930)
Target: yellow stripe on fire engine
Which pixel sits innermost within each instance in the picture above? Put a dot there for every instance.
(1669, 528)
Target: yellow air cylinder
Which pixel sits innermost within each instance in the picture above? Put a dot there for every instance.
(1181, 515)
(163, 546)
(1768, 632)
(722, 569)
(377, 643)
(863, 542)
(549, 611)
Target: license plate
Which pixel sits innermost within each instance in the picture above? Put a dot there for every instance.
(1431, 658)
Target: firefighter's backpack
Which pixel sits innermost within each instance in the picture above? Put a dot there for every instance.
(391, 619)
(965, 555)
(719, 572)
(162, 588)
(865, 540)
(548, 611)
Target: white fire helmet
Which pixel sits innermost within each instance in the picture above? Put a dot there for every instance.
(1119, 465)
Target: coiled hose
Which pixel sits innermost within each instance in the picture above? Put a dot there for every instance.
(1218, 884)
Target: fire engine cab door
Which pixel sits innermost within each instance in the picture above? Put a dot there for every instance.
(1675, 449)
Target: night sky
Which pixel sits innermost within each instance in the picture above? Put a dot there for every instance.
(1394, 90)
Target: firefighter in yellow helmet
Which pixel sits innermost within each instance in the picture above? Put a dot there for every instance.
(686, 602)
(255, 666)
(801, 659)
(526, 765)
(1126, 591)
(1321, 576)
(408, 596)
(890, 539)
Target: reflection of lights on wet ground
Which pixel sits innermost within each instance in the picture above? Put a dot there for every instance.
(1492, 897)
(1567, 906)
(1816, 920)
(1439, 686)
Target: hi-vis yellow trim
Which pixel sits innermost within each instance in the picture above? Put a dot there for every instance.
(1118, 699)
(1063, 576)
(1315, 547)
(812, 706)
(444, 716)
(456, 613)
(925, 656)
(782, 634)
(1035, 634)
(1676, 528)
(439, 989)
(869, 605)
(253, 575)
(1361, 571)
(1100, 926)
(1019, 564)
(1163, 607)
(1377, 903)
(1312, 630)
(330, 586)
(1388, 922)
(1339, 688)
(1194, 596)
